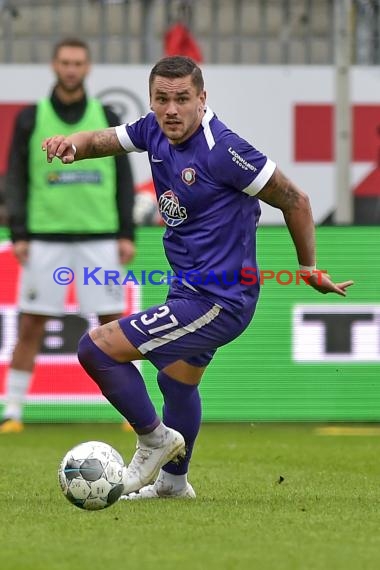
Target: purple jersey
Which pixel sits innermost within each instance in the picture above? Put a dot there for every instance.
(206, 189)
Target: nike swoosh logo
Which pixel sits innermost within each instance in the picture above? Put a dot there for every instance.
(133, 323)
(154, 159)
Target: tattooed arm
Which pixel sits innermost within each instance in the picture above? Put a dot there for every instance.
(85, 144)
(281, 193)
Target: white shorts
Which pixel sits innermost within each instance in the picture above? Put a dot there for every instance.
(40, 293)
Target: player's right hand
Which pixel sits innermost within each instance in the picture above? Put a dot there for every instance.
(60, 147)
(21, 250)
(321, 281)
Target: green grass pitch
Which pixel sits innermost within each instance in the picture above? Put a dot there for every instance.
(276, 497)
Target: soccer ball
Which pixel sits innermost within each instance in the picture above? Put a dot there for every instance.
(91, 475)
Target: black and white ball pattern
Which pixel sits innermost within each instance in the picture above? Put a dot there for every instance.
(91, 475)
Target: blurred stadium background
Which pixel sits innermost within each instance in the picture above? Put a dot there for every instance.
(228, 31)
(302, 77)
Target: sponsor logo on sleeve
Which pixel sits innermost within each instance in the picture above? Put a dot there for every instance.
(240, 161)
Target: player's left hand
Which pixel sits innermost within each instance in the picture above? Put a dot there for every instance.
(127, 250)
(322, 282)
(61, 147)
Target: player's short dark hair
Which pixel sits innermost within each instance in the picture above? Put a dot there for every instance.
(177, 66)
(71, 42)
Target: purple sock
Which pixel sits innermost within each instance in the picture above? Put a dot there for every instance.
(181, 411)
(121, 383)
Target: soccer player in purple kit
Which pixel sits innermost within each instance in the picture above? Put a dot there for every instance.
(208, 182)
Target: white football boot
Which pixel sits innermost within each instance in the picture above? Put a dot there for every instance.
(161, 490)
(147, 461)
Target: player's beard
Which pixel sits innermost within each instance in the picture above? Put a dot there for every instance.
(70, 87)
(174, 132)
(182, 132)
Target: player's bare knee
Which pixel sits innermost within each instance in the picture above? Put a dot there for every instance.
(184, 372)
(111, 339)
(32, 328)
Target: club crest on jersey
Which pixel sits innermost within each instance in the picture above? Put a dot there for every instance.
(188, 176)
(171, 211)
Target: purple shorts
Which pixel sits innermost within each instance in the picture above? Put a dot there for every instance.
(187, 326)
